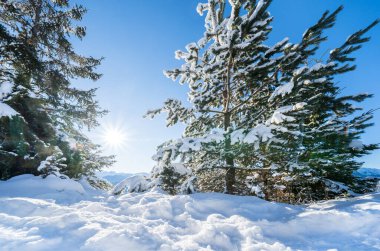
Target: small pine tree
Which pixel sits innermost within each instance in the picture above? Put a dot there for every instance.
(170, 177)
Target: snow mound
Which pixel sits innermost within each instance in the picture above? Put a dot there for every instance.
(49, 188)
(116, 177)
(156, 221)
(135, 183)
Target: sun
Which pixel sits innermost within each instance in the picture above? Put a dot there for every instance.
(114, 137)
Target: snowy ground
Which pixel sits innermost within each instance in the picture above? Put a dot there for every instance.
(54, 214)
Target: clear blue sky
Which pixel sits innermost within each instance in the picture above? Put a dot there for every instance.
(138, 40)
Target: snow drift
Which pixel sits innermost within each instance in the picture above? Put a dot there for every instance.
(55, 214)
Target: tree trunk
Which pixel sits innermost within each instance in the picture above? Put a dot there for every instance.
(37, 8)
(230, 178)
(230, 174)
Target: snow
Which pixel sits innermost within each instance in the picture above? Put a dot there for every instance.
(51, 188)
(259, 6)
(279, 117)
(6, 110)
(319, 66)
(277, 45)
(5, 89)
(116, 177)
(299, 70)
(135, 183)
(260, 131)
(56, 214)
(44, 164)
(181, 169)
(201, 7)
(282, 90)
(257, 133)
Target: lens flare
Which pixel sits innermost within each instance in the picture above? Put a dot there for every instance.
(113, 137)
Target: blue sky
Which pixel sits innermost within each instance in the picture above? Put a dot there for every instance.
(138, 40)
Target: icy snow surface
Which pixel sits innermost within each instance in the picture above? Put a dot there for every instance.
(55, 214)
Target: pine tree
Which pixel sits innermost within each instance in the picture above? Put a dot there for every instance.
(228, 73)
(171, 176)
(43, 133)
(324, 152)
(264, 108)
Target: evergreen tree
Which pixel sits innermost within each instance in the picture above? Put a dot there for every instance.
(171, 176)
(260, 107)
(325, 150)
(43, 133)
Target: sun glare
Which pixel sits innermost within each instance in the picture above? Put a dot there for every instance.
(114, 137)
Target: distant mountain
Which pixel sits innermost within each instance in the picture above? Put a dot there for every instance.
(368, 173)
(116, 177)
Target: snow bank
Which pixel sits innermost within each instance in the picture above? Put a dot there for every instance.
(156, 221)
(49, 188)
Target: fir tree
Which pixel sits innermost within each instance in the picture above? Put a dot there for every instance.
(261, 107)
(43, 134)
(326, 147)
(171, 176)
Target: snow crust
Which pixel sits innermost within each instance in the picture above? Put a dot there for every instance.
(55, 214)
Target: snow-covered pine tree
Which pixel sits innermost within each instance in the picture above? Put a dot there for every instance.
(324, 153)
(231, 75)
(41, 132)
(260, 107)
(170, 176)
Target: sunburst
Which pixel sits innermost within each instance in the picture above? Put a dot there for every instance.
(113, 136)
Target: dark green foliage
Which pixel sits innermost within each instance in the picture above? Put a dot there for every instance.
(171, 180)
(38, 60)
